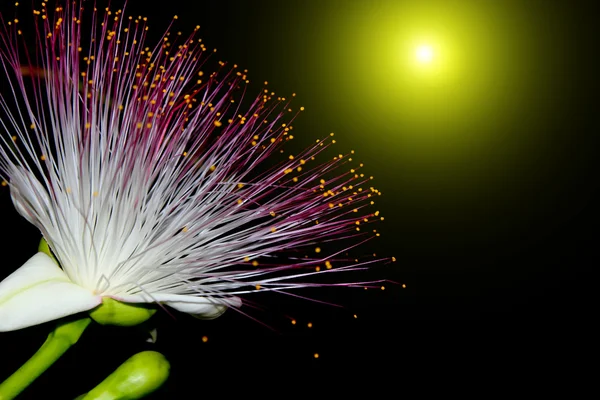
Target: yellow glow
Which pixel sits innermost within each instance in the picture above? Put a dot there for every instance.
(449, 82)
(424, 54)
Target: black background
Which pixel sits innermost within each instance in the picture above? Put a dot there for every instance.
(515, 307)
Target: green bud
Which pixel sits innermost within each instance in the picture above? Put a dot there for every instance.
(113, 312)
(136, 378)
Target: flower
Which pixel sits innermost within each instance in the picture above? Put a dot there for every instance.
(155, 182)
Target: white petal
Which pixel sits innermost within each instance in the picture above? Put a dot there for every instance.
(28, 195)
(39, 292)
(199, 307)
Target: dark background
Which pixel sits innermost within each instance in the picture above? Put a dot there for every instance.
(497, 286)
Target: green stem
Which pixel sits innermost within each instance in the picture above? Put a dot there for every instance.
(65, 335)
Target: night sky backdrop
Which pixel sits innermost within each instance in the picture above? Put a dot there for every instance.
(486, 160)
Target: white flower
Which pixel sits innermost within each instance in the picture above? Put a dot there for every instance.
(150, 181)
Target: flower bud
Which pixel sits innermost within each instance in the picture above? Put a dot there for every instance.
(136, 378)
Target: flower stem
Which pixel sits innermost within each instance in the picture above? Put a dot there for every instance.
(65, 335)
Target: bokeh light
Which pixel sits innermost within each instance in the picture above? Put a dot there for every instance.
(424, 54)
